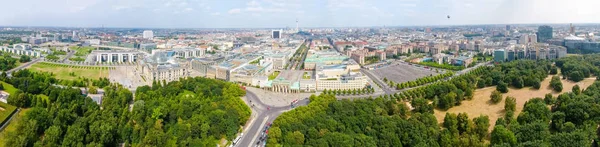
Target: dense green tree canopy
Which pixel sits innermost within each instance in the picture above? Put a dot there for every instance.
(189, 112)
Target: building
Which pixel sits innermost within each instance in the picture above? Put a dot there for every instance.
(323, 58)
(510, 55)
(162, 67)
(462, 61)
(148, 47)
(148, 34)
(114, 56)
(276, 34)
(544, 33)
(19, 51)
(571, 29)
(189, 52)
(342, 77)
(508, 27)
(499, 55)
(202, 66)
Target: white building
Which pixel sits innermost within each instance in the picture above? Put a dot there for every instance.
(21, 49)
(148, 34)
(341, 77)
(162, 67)
(111, 56)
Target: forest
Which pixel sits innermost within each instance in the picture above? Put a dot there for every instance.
(571, 120)
(446, 94)
(7, 62)
(189, 112)
(576, 68)
(567, 120)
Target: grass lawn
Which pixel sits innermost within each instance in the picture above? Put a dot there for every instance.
(62, 71)
(187, 93)
(481, 105)
(9, 88)
(82, 50)
(6, 110)
(274, 75)
(305, 76)
(12, 126)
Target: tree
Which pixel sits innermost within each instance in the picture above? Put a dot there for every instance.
(53, 136)
(501, 135)
(556, 84)
(576, 76)
(421, 105)
(553, 70)
(576, 90)
(24, 59)
(510, 104)
(481, 83)
(496, 96)
(536, 83)
(502, 87)
(481, 126)
(93, 90)
(518, 82)
(451, 123)
(549, 99)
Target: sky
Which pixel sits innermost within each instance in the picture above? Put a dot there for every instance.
(284, 13)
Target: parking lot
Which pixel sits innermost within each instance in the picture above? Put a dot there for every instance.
(403, 72)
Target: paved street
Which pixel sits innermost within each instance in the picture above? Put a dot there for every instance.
(261, 115)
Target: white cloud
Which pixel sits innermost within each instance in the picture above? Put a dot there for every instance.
(119, 7)
(215, 14)
(234, 11)
(253, 3)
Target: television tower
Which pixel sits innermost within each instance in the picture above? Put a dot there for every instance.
(297, 29)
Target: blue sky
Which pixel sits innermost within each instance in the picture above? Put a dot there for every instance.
(283, 13)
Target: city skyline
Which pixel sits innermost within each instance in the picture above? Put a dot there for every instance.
(282, 14)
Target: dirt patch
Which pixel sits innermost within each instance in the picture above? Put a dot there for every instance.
(2, 109)
(481, 105)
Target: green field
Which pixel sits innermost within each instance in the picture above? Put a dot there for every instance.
(63, 72)
(9, 88)
(6, 110)
(82, 50)
(12, 126)
(274, 75)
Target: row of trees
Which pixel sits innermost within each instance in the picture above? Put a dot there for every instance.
(190, 112)
(442, 66)
(349, 92)
(418, 82)
(556, 84)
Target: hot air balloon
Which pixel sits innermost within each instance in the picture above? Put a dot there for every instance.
(448, 16)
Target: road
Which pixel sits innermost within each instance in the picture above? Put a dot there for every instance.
(261, 116)
(69, 55)
(386, 89)
(23, 66)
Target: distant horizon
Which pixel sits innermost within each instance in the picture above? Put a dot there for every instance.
(386, 26)
(285, 13)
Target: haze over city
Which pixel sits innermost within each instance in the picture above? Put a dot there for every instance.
(317, 73)
(284, 13)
